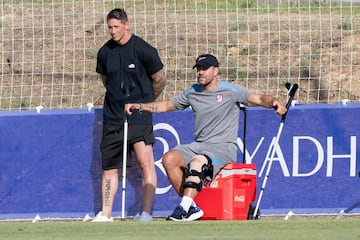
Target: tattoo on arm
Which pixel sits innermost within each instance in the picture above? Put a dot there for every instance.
(159, 82)
(153, 108)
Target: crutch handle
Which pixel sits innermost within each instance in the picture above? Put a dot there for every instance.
(291, 91)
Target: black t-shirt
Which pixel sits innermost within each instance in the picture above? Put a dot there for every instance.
(128, 69)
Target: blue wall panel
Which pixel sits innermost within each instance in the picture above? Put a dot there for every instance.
(45, 161)
(51, 163)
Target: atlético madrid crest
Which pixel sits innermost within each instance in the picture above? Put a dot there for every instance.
(219, 98)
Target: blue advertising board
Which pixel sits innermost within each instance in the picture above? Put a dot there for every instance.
(316, 163)
(51, 163)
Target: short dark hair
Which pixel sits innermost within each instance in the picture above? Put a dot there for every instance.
(117, 13)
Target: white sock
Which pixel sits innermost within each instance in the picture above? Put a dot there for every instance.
(186, 202)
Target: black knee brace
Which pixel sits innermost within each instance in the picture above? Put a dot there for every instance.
(206, 171)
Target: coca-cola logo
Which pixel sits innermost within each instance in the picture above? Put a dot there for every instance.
(239, 198)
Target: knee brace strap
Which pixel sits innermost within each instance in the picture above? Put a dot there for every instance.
(190, 172)
(206, 170)
(197, 186)
(189, 184)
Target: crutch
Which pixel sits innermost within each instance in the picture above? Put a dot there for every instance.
(347, 210)
(291, 91)
(243, 108)
(127, 90)
(123, 189)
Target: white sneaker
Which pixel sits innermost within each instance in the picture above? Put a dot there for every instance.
(100, 218)
(137, 217)
(143, 217)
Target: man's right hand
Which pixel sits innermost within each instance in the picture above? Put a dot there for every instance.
(131, 107)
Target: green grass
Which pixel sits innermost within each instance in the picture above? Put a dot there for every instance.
(312, 229)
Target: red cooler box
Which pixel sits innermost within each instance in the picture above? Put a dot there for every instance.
(230, 194)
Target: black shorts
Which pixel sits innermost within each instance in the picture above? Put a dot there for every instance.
(112, 143)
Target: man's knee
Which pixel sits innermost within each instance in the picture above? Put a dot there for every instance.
(199, 168)
(172, 159)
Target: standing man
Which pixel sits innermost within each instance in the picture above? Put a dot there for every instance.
(131, 71)
(216, 107)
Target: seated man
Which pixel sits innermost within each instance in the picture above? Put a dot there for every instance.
(216, 107)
